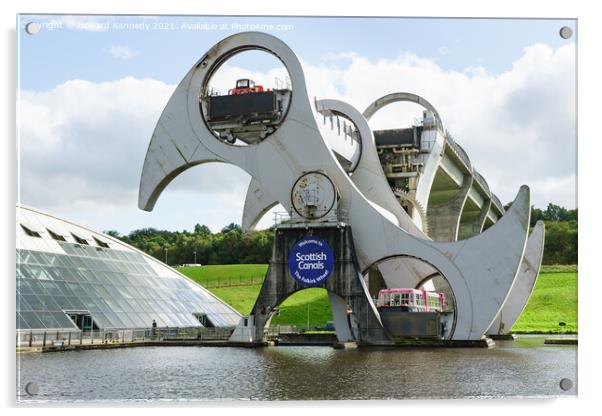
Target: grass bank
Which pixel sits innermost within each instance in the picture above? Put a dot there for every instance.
(554, 299)
(558, 268)
(226, 274)
(293, 311)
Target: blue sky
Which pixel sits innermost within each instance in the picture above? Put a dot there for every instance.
(166, 54)
(92, 88)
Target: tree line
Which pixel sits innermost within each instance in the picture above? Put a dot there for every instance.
(228, 246)
(232, 246)
(561, 233)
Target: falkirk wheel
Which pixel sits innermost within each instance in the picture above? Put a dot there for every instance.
(369, 209)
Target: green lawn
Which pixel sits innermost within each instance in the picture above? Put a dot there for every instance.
(243, 281)
(554, 299)
(293, 310)
(226, 274)
(557, 268)
(241, 298)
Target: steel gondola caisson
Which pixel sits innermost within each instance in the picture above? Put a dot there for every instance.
(248, 113)
(411, 313)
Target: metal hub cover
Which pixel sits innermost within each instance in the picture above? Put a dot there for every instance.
(313, 195)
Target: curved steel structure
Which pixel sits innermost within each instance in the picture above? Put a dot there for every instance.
(525, 282)
(481, 270)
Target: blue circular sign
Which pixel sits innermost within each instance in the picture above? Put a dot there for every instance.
(310, 261)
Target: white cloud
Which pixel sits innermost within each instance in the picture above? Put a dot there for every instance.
(83, 143)
(518, 127)
(337, 56)
(122, 52)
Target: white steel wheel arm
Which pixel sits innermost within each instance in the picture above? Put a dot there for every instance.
(480, 270)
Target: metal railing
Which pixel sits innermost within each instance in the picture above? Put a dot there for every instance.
(231, 281)
(336, 125)
(498, 204)
(434, 123)
(49, 338)
(191, 333)
(65, 338)
(292, 218)
(481, 181)
(458, 151)
(284, 84)
(281, 217)
(74, 338)
(276, 330)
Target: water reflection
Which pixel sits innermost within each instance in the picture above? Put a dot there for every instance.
(299, 373)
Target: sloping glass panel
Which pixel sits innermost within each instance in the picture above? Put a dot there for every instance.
(127, 292)
(21, 323)
(101, 320)
(32, 320)
(63, 320)
(76, 303)
(22, 304)
(33, 302)
(65, 288)
(49, 304)
(48, 320)
(23, 286)
(127, 322)
(52, 288)
(64, 302)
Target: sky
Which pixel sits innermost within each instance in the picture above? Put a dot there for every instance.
(91, 89)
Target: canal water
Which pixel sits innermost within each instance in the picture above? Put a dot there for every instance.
(525, 367)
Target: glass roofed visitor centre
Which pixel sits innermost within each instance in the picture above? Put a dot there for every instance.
(72, 278)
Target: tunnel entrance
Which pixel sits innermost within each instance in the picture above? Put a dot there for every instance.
(307, 310)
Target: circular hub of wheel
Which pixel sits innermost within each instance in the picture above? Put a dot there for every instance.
(313, 195)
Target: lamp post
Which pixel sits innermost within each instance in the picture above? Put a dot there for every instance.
(195, 257)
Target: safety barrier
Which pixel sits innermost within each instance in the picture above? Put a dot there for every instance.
(62, 338)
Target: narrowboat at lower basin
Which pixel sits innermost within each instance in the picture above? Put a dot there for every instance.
(412, 313)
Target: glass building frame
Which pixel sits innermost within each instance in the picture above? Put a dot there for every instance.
(69, 277)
